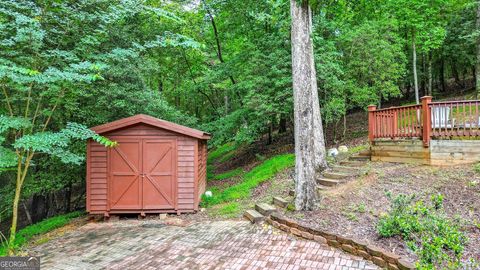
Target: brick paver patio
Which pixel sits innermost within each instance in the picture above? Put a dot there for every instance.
(206, 245)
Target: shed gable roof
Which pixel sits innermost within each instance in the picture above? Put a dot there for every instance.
(142, 118)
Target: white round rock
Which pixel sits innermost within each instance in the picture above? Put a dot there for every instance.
(332, 152)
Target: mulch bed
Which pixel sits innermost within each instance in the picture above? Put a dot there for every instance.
(354, 208)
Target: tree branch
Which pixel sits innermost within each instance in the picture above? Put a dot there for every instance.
(8, 100)
(53, 110)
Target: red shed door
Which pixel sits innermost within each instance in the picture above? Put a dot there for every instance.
(159, 163)
(125, 175)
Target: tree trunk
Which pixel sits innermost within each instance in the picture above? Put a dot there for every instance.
(442, 75)
(283, 124)
(219, 51)
(270, 132)
(477, 66)
(414, 63)
(309, 140)
(68, 197)
(160, 86)
(27, 213)
(226, 102)
(21, 174)
(456, 76)
(423, 78)
(429, 71)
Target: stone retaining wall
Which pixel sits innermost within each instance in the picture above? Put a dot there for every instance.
(377, 255)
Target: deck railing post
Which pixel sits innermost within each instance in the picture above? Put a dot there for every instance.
(395, 124)
(371, 122)
(427, 120)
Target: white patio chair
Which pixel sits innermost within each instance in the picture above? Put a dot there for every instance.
(441, 117)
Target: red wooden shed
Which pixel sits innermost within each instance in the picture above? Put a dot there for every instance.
(157, 167)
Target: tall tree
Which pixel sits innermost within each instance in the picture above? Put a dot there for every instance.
(309, 141)
(426, 22)
(477, 66)
(414, 64)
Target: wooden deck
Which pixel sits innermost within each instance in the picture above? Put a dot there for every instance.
(434, 133)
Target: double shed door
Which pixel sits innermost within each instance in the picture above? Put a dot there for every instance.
(142, 174)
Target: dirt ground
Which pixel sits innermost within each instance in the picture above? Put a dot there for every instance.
(354, 208)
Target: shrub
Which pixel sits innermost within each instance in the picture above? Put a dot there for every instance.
(437, 240)
(476, 167)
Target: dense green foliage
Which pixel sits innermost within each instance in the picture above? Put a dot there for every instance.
(250, 180)
(436, 239)
(47, 225)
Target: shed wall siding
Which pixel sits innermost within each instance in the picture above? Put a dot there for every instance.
(202, 169)
(186, 173)
(97, 178)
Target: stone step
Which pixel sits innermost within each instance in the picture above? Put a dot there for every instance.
(280, 202)
(253, 216)
(328, 182)
(335, 175)
(265, 208)
(359, 158)
(346, 169)
(321, 188)
(352, 163)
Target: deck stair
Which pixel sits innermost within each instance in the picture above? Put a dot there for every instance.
(346, 170)
(265, 208)
(336, 175)
(280, 202)
(328, 182)
(254, 216)
(350, 163)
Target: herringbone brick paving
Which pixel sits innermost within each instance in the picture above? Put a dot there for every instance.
(206, 245)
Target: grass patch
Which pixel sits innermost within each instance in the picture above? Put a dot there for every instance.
(228, 210)
(229, 174)
(210, 174)
(227, 156)
(251, 179)
(358, 148)
(26, 234)
(221, 151)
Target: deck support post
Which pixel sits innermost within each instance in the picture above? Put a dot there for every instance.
(427, 120)
(371, 122)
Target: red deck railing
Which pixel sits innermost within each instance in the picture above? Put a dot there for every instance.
(429, 119)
